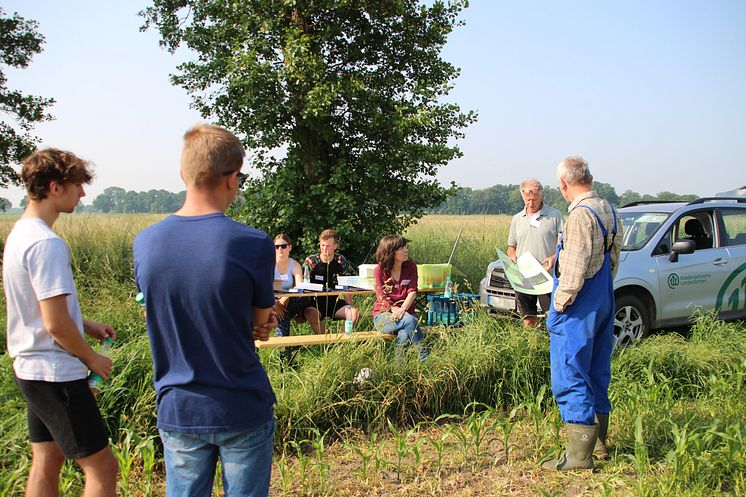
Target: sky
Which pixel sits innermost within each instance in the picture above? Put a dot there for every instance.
(650, 92)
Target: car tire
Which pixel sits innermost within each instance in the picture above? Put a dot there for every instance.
(631, 320)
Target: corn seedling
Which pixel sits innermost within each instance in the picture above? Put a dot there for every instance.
(365, 457)
(505, 425)
(677, 456)
(125, 453)
(480, 425)
(303, 462)
(462, 434)
(640, 457)
(147, 453)
(534, 408)
(283, 468)
(71, 479)
(439, 444)
(401, 446)
(323, 468)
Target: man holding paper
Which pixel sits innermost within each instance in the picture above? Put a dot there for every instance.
(534, 230)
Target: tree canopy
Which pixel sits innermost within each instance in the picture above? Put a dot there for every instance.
(19, 42)
(341, 102)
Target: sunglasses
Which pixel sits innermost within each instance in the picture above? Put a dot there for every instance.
(281, 246)
(242, 177)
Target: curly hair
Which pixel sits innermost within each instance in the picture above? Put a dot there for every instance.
(44, 166)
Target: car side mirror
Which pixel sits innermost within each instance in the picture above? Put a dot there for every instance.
(681, 247)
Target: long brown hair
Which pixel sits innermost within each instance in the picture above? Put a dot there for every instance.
(386, 249)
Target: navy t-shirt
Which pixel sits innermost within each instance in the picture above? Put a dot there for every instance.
(201, 277)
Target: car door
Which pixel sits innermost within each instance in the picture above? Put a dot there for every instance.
(693, 281)
(731, 297)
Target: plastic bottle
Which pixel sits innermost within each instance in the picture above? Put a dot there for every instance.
(348, 321)
(94, 380)
(306, 275)
(430, 311)
(448, 291)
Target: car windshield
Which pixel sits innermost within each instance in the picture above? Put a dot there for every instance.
(639, 227)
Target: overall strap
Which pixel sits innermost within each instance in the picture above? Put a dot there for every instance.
(607, 247)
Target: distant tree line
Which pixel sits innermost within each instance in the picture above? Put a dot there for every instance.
(506, 199)
(119, 200)
(497, 199)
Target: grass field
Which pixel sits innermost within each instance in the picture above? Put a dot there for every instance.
(472, 420)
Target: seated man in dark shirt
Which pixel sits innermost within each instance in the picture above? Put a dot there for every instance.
(323, 269)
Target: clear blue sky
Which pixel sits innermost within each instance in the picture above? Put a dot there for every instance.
(650, 92)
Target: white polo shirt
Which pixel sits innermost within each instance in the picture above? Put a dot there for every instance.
(37, 266)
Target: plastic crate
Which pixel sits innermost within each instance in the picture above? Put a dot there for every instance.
(433, 275)
(366, 270)
(451, 311)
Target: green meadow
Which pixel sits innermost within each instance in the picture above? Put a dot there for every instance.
(472, 420)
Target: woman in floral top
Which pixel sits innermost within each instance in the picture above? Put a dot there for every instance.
(396, 289)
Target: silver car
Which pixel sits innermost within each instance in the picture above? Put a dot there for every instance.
(677, 259)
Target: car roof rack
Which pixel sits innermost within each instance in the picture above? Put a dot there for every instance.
(647, 202)
(740, 200)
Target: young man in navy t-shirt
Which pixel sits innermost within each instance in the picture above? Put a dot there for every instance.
(207, 281)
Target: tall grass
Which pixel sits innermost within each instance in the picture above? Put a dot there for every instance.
(677, 422)
(433, 239)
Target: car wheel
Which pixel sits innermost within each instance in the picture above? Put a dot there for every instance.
(631, 320)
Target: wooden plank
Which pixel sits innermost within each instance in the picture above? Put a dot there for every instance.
(349, 291)
(326, 339)
(331, 293)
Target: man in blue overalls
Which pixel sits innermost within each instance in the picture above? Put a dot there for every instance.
(581, 318)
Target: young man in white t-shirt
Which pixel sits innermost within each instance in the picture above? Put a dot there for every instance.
(51, 359)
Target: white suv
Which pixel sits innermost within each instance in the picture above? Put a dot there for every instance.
(676, 258)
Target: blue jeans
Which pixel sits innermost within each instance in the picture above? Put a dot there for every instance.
(191, 459)
(407, 329)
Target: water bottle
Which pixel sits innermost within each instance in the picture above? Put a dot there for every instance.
(94, 380)
(306, 275)
(448, 291)
(348, 321)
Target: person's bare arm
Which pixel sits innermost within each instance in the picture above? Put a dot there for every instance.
(297, 273)
(60, 325)
(511, 253)
(99, 330)
(265, 320)
(399, 311)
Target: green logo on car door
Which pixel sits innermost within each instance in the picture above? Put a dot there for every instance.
(732, 295)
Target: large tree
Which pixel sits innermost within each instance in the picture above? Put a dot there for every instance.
(341, 102)
(19, 42)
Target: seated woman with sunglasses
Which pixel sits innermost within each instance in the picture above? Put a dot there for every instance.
(288, 271)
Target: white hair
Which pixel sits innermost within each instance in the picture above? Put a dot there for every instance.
(574, 170)
(532, 181)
